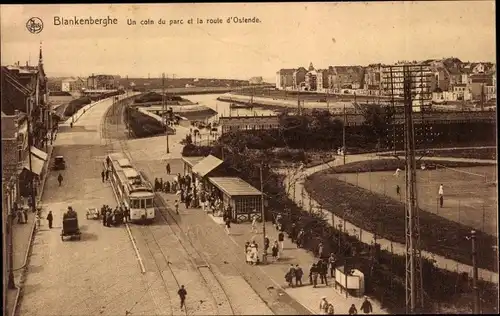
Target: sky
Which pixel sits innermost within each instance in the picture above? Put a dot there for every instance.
(288, 35)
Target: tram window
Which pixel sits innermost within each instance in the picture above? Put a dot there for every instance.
(135, 203)
(149, 203)
(143, 203)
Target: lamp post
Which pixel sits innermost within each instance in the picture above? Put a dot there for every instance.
(474, 272)
(264, 250)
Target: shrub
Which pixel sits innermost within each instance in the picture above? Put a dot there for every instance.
(76, 105)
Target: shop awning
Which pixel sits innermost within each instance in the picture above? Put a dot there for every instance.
(206, 165)
(234, 186)
(39, 153)
(192, 161)
(36, 164)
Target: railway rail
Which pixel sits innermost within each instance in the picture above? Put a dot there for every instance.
(198, 261)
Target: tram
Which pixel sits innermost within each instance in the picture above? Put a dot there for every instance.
(132, 190)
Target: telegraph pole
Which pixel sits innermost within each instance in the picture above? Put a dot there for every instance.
(164, 107)
(343, 135)
(264, 251)
(474, 273)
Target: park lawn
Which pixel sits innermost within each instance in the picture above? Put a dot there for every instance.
(385, 216)
(391, 164)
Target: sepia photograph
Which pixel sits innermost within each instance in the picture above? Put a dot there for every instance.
(273, 158)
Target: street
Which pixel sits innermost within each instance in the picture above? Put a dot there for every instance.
(100, 273)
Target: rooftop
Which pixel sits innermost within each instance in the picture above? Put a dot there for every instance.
(206, 165)
(234, 186)
(191, 161)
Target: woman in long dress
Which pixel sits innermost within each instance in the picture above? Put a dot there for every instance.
(254, 254)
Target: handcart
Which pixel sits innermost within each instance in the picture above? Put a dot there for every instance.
(93, 213)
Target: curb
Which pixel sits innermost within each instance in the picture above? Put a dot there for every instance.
(32, 235)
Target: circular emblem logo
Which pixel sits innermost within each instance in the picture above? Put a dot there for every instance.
(34, 25)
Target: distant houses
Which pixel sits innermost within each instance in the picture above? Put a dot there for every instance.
(450, 79)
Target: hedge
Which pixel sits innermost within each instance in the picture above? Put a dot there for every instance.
(76, 105)
(143, 125)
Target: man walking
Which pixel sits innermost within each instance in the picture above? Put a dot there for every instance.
(176, 204)
(366, 307)
(60, 179)
(441, 193)
(298, 275)
(182, 295)
(50, 218)
(168, 168)
(107, 174)
(281, 240)
(102, 176)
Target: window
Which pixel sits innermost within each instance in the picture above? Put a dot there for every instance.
(149, 203)
(143, 203)
(135, 203)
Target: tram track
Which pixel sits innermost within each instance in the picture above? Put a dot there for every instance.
(161, 262)
(199, 263)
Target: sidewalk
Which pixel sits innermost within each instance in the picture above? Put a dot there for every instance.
(22, 237)
(366, 236)
(306, 295)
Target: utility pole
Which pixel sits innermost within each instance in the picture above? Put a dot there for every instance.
(414, 291)
(343, 135)
(474, 273)
(264, 251)
(164, 107)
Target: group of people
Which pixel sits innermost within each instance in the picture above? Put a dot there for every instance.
(320, 269)
(114, 217)
(327, 308)
(252, 252)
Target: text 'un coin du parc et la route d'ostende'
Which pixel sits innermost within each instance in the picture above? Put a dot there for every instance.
(105, 21)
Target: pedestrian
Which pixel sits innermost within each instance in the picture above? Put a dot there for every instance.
(353, 310)
(109, 218)
(332, 261)
(290, 275)
(60, 179)
(25, 214)
(102, 176)
(441, 193)
(38, 220)
(19, 215)
(331, 310)
(168, 168)
(300, 238)
(254, 222)
(266, 244)
(298, 275)
(320, 250)
(182, 295)
(107, 174)
(228, 224)
(323, 271)
(275, 250)
(281, 240)
(293, 232)
(313, 275)
(323, 305)
(398, 189)
(176, 204)
(366, 307)
(50, 218)
(104, 217)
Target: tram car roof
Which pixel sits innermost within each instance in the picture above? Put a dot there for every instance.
(124, 163)
(116, 156)
(130, 173)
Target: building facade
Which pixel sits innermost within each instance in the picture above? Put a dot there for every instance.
(299, 78)
(235, 123)
(284, 79)
(102, 82)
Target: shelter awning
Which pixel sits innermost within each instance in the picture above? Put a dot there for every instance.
(39, 153)
(192, 161)
(206, 165)
(36, 165)
(234, 186)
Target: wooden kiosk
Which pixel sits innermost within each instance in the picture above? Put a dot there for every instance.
(244, 199)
